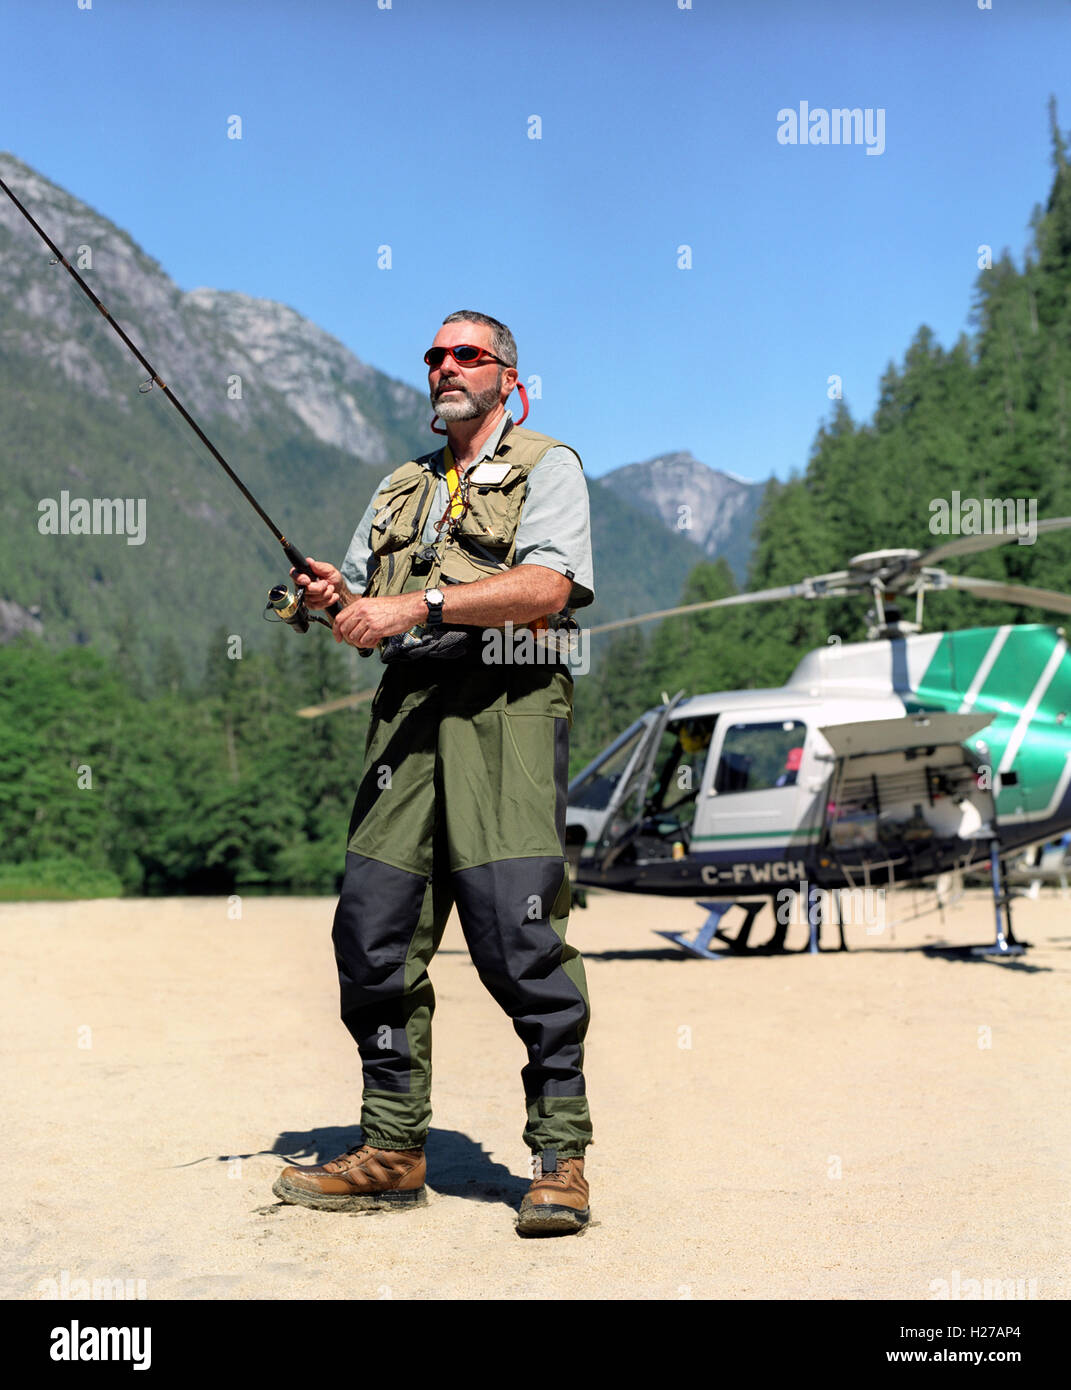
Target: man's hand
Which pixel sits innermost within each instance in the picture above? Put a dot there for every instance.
(366, 621)
(327, 588)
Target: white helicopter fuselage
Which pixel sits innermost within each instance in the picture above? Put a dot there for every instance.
(889, 760)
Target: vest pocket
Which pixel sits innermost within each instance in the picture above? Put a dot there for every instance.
(398, 512)
(462, 565)
(494, 510)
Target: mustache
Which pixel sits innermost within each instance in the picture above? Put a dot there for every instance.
(450, 386)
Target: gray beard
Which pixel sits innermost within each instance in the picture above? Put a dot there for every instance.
(476, 403)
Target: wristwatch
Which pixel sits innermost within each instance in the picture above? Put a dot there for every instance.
(434, 599)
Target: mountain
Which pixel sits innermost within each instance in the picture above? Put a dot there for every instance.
(199, 341)
(308, 426)
(714, 510)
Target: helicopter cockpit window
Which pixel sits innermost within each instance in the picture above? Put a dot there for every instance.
(758, 757)
(595, 791)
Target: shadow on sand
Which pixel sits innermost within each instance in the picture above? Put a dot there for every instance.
(457, 1166)
(768, 950)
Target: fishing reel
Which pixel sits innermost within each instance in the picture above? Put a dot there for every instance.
(288, 606)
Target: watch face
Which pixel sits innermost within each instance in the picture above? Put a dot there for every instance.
(433, 595)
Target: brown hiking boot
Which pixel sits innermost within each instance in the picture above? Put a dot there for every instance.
(362, 1179)
(557, 1201)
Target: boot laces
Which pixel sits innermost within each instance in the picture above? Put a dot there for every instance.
(560, 1174)
(340, 1161)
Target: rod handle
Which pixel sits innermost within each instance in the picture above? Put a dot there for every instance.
(301, 563)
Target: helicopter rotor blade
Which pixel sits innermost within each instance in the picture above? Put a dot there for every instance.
(1008, 593)
(821, 586)
(968, 545)
(330, 706)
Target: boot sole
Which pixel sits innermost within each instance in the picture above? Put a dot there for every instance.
(376, 1201)
(552, 1220)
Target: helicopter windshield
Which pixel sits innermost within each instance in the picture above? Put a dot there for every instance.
(593, 792)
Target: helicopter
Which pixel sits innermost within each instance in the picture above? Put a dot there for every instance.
(896, 761)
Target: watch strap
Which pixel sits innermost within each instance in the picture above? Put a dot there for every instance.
(435, 610)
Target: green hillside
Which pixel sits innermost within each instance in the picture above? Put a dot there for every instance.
(207, 561)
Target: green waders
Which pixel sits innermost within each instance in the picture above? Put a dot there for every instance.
(462, 800)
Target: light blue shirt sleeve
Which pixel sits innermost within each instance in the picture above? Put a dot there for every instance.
(555, 525)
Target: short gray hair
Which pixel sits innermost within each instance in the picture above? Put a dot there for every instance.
(502, 341)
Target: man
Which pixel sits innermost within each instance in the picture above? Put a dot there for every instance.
(463, 791)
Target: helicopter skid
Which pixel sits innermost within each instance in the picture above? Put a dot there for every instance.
(694, 948)
(999, 949)
(699, 945)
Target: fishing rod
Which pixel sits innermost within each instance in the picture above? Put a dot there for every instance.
(287, 604)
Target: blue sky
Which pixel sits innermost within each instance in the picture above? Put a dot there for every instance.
(409, 127)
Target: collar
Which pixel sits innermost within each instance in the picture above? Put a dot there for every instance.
(490, 446)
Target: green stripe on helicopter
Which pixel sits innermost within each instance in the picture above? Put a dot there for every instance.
(1027, 684)
(791, 834)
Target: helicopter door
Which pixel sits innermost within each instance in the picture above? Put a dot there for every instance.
(607, 798)
(754, 798)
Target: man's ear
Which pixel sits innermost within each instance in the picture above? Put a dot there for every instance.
(509, 382)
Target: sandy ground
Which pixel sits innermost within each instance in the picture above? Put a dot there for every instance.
(842, 1126)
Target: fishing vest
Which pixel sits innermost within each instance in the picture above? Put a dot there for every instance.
(481, 542)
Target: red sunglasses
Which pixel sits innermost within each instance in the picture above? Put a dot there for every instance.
(464, 354)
